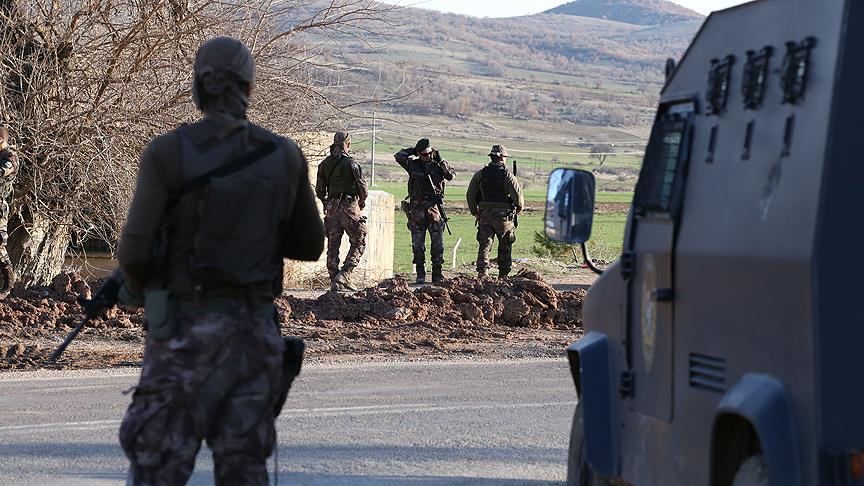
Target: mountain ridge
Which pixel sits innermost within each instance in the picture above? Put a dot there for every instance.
(636, 12)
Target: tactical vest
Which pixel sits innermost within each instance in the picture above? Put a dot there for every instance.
(419, 188)
(237, 242)
(340, 179)
(493, 184)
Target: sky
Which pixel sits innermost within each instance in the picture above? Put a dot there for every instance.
(512, 8)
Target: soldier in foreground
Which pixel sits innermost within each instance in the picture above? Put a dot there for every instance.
(427, 172)
(495, 198)
(341, 187)
(213, 355)
(8, 169)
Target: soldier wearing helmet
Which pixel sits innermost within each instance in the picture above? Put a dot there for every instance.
(427, 172)
(8, 170)
(341, 187)
(222, 201)
(495, 198)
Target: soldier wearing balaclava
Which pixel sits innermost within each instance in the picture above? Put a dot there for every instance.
(217, 206)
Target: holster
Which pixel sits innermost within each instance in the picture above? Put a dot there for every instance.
(406, 207)
(292, 361)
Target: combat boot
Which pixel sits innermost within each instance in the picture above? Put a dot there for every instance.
(343, 281)
(437, 274)
(503, 273)
(481, 273)
(421, 275)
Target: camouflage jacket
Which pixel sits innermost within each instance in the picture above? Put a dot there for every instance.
(8, 170)
(419, 190)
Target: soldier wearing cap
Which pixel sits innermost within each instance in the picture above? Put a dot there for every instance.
(495, 198)
(223, 201)
(8, 169)
(341, 187)
(427, 172)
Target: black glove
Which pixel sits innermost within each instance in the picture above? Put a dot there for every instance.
(436, 156)
(106, 296)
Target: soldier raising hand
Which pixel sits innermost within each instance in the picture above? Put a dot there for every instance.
(427, 172)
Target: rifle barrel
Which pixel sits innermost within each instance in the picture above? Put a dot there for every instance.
(71, 337)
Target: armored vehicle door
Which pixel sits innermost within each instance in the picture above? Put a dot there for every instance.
(648, 263)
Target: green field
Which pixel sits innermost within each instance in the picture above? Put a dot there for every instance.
(535, 193)
(607, 236)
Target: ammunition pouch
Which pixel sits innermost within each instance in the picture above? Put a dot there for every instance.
(292, 361)
(160, 318)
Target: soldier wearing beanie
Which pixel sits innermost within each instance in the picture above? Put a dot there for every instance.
(427, 173)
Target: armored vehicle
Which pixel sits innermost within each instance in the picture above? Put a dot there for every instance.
(724, 346)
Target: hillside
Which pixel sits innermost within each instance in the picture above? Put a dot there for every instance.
(546, 67)
(551, 87)
(638, 12)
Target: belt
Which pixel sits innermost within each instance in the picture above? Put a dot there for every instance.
(224, 305)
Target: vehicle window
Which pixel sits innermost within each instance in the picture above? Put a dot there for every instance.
(664, 159)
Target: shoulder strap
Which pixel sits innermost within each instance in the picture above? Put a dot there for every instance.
(333, 169)
(235, 165)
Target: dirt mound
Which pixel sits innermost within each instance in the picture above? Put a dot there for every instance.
(34, 320)
(451, 316)
(459, 315)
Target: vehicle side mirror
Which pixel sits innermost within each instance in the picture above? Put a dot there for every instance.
(570, 205)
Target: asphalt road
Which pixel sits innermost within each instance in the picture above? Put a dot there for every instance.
(487, 423)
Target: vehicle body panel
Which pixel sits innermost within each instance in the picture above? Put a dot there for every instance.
(764, 261)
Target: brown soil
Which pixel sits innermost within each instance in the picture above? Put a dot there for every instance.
(522, 316)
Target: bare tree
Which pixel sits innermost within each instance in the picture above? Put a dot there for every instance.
(601, 151)
(86, 83)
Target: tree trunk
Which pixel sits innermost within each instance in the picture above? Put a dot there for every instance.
(37, 246)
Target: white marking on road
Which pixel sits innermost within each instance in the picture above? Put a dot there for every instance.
(302, 413)
(46, 375)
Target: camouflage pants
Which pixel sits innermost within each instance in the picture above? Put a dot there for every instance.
(492, 223)
(344, 217)
(218, 379)
(420, 220)
(7, 276)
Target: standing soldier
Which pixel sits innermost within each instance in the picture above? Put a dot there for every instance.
(342, 189)
(427, 172)
(223, 201)
(8, 169)
(495, 198)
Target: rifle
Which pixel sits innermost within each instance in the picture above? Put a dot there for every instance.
(515, 213)
(104, 298)
(438, 199)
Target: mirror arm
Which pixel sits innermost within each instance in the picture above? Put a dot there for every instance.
(588, 260)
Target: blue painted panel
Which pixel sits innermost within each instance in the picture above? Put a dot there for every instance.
(597, 404)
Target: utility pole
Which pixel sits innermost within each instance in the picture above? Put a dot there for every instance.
(372, 183)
